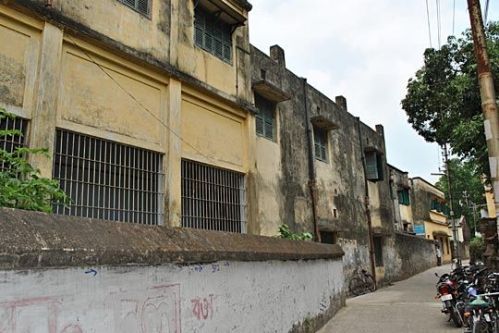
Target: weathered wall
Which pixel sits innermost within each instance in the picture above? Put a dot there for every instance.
(223, 296)
(115, 277)
(283, 170)
(69, 68)
(407, 255)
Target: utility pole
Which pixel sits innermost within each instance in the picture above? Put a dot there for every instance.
(451, 207)
(488, 96)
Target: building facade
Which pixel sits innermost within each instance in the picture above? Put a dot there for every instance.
(161, 112)
(430, 213)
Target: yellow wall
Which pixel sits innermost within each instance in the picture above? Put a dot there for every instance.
(440, 229)
(438, 217)
(19, 61)
(59, 81)
(268, 157)
(406, 213)
(213, 133)
(489, 198)
(124, 25)
(206, 67)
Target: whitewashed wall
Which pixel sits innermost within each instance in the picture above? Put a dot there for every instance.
(221, 297)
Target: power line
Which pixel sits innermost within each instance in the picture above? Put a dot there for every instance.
(486, 10)
(454, 16)
(134, 98)
(439, 23)
(429, 25)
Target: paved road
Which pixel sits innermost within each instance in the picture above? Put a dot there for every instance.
(406, 307)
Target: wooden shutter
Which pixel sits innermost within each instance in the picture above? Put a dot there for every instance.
(371, 166)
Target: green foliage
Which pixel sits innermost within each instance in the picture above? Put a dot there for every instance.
(443, 99)
(20, 184)
(465, 177)
(284, 232)
(477, 248)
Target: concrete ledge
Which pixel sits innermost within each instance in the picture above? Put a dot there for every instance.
(37, 240)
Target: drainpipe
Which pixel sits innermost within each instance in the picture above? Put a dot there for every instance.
(366, 203)
(312, 183)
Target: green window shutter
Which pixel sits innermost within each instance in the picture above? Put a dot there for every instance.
(400, 195)
(379, 165)
(259, 124)
(265, 119)
(403, 196)
(212, 34)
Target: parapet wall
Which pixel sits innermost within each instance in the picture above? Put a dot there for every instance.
(68, 275)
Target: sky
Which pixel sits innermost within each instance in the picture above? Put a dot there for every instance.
(365, 50)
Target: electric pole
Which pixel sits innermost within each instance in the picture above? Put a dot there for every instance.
(451, 207)
(488, 97)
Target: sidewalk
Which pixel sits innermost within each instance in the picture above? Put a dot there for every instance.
(408, 306)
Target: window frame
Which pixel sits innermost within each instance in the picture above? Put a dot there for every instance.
(213, 198)
(321, 144)
(210, 21)
(266, 116)
(404, 197)
(374, 160)
(378, 251)
(108, 180)
(135, 7)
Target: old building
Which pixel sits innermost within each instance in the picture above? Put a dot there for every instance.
(316, 163)
(429, 210)
(145, 106)
(162, 113)
(401, 195)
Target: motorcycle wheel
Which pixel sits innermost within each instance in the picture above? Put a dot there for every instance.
(456, 318)
(480, 327)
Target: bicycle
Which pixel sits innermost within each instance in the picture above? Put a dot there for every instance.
(362, 282)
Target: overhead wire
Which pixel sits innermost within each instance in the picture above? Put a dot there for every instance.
(439, 23)
(429, 24)
(453, 17)
(91, 59)
(486, 11)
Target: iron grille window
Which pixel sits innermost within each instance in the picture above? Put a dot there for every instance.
(10, 143)
(141, 6)
(212, 198)
(108, 180)
(320, 144)
(265, 119)
(212, 34)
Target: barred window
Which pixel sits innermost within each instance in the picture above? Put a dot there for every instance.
(265, 119)
(141, 6)
(212, 34)
(108, 180)
(10, 143)
(212, 198)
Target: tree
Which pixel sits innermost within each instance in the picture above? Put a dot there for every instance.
(465, 178)
(20, 183)
(443, 99)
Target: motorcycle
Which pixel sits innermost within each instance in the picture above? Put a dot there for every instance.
(447, 292)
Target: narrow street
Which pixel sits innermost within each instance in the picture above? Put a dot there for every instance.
(408, 306)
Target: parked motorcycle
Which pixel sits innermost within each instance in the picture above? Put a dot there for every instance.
(447, 292)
